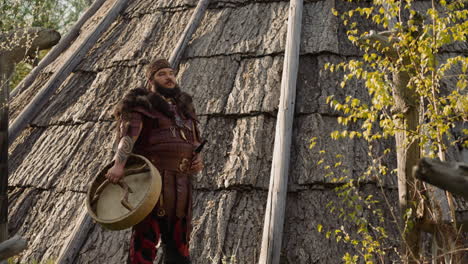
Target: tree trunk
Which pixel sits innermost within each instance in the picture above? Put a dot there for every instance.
(408, 154)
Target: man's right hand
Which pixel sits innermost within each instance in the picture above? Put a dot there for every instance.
(115, 173)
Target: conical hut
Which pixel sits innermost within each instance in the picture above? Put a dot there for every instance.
(232, 67)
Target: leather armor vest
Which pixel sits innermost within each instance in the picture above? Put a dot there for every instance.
(169, 144)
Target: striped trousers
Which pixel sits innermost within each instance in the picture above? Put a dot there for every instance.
(147, 233)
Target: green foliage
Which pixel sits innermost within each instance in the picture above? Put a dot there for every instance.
(354, 208)
(23, 68)
(229, 260)
(54, 14)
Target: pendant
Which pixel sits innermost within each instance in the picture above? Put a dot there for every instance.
(182, 134)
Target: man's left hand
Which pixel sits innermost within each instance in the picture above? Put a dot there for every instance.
(197, 163)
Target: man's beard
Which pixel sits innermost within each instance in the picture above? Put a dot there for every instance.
(167, 92)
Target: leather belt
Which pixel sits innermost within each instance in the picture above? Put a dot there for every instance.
(181, 164)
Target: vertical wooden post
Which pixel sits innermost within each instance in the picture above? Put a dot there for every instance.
(4, 91)
(195, 20)
(276, 203)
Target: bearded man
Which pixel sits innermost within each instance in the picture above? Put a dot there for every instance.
(160, 123)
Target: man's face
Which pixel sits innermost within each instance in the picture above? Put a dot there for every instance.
(165, 78)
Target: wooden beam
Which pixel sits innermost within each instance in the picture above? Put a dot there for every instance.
(37, 103)
(276, 203)
(450, 176)
(58, 49)
(4, 90)
(195, 20)
(75, 241)
(25, 42)
(12, 247)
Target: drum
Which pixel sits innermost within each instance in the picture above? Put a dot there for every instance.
(125, 204)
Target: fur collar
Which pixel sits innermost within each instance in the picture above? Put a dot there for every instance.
(142, 98)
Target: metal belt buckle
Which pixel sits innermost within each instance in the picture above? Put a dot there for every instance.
(161, 212)
(184, 164)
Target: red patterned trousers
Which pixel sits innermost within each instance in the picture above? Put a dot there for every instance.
(146, 235)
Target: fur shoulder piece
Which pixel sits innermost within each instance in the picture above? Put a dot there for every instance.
(143, 99)
(134, 98)
(185, 104)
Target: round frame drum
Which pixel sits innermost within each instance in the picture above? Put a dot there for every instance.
(124, 204)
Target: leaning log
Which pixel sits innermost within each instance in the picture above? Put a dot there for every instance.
(12, 247)
(42, 97)
(276, 203)
(79, 235)
(14, 47)
(197, 16)
(450, 176)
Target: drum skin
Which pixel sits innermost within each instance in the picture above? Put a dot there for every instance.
(106, 207)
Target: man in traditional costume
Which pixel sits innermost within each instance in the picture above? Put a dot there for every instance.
(160, 123)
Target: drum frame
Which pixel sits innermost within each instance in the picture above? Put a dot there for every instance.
(142, 209)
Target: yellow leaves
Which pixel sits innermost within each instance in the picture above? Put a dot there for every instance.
(334, 12)
(313, 142)
(342, 84)
(447, 110)
(350, 259)
(355, 102)
(417, 47)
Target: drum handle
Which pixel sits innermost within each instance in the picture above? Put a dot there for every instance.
(123, 185)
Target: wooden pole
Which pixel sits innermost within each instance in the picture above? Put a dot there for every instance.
(79, 235)
(12, 247)
(58, 49)
(4, 91)
(450, 176)
(276, 203)
(27, 39)
(195, 20)
(29, 113)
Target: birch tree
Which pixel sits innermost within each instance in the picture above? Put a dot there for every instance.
(406, 70)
